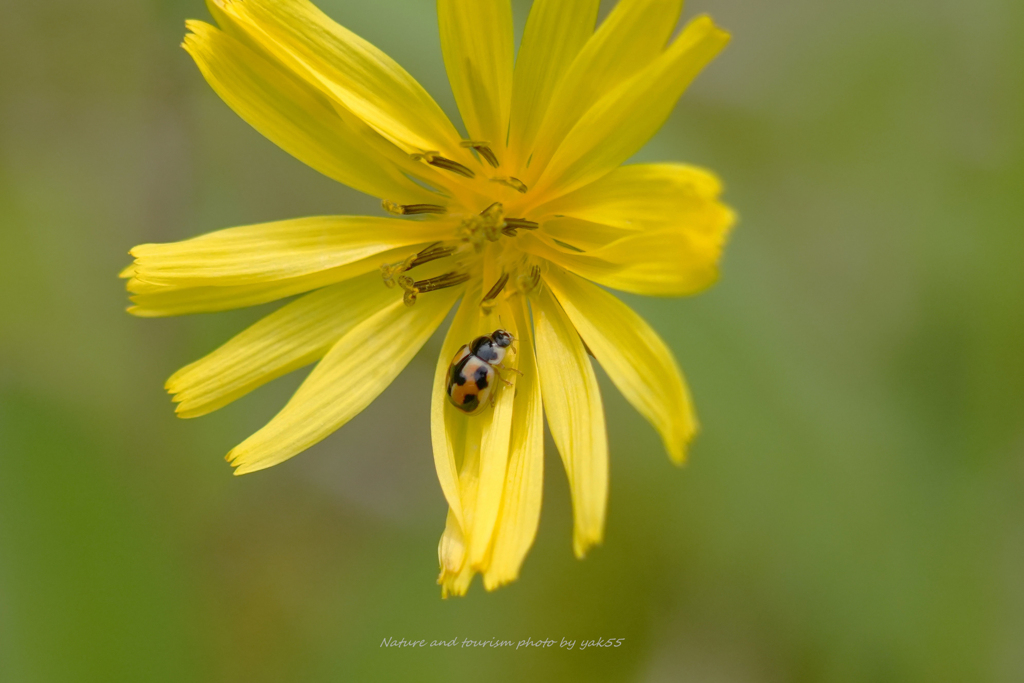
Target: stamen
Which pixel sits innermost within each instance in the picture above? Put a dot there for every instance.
(527, 282)
(513, 224)
(515, 183)
(451, 279)
(432, 253)
(488, 302)
(484, 150)
(497, 289)
(434, 159)
(414, 288)
(412, 209)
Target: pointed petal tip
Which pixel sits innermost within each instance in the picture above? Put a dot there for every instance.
(679, 452)
(704, 22)
(188, 410)
(581, 546)
(140, 312)
(237, 461)
(451, 586)
(194, 28)
(143, 312)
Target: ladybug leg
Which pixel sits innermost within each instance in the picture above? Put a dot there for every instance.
(500, 365)
(497, 373)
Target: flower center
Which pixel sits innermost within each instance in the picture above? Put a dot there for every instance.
(490, 225)
(467, 250)
(474, 250)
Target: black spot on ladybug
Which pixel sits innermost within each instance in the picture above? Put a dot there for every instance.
(470, 401)
(456, 376)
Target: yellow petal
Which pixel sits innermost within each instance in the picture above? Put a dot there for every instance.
(633, 355)
(456, 574)
(494, 450)
(358, 75)
(384, 148)
(480, 445)
(555, 32)
(666, 262)
(456, 571)
(623, 120)
(581, 235)
(447, 427)
(524, 480)
(352, 374)
(642, 197)
(630, 38)
(290, 338)
(476, 41)
(152, 301)
(453, 549)
(572, 403)
(300, 123)
(277, 251)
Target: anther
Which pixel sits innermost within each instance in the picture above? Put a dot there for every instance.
(513, 224)
(527, 282)
(488, 302)
(484, 150)
(414, 288)
(390, 272)
(434, 159)
(412, 209)
(515, 183)
(431, 253)
(451, 279)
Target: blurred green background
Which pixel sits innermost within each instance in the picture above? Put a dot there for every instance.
(852, 510)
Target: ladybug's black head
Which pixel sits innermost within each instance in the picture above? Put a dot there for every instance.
(502, 338)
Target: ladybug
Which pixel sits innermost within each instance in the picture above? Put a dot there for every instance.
(473, 370)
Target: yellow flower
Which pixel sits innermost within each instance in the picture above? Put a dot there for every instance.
(519, 220)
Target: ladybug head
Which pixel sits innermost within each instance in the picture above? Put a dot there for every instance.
(502, 338)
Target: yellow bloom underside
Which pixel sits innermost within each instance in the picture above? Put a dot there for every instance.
(519, 219)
